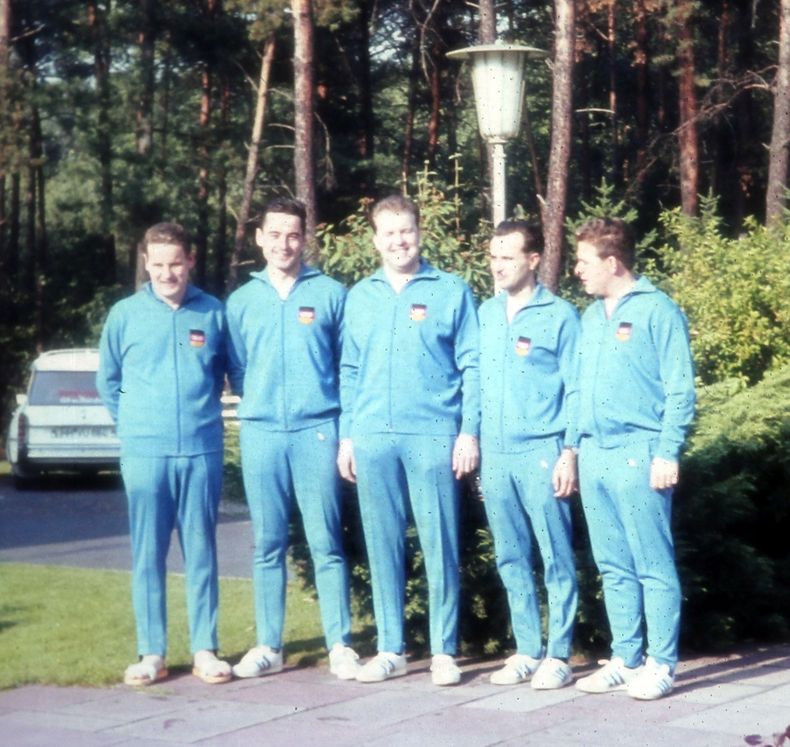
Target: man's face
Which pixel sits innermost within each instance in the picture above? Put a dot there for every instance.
(282, 241)
(513, 268)
(397, 240)
(594, 271)
(169, 266)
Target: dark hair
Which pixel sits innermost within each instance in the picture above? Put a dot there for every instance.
(288, 206)
(612, 237)
(530, 232)
(167, 233)
(394, 204)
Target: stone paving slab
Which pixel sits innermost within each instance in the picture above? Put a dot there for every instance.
(719, 701)
(200, 719)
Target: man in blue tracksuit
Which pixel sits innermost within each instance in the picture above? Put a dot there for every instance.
(409, 427)
(285, 330)
(528, 382)
(161, 373)
(636, 404)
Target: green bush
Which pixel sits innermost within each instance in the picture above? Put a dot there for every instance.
(733, 515)
(735, 292)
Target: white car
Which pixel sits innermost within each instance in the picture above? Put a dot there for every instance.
(61, 424)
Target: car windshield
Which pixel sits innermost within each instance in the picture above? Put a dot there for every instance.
(64, 388)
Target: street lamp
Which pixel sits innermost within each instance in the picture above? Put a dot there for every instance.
(498, 82)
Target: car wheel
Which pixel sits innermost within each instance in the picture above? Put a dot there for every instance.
(24, 477)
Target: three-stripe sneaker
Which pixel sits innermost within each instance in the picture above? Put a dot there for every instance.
(613, 675)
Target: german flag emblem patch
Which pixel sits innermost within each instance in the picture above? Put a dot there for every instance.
(624, 331)
(419, 312)
(523, 346)
(306, 314)
(197, 338)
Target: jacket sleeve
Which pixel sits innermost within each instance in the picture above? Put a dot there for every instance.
(568, 353)
(349, 372)
(109, 376)
(676, 368)
(236, 350)
(467, 359)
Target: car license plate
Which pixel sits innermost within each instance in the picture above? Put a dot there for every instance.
(82, 431)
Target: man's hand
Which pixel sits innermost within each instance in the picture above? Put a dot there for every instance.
(466, 455)
(346, 463)
(564, 478)
(663, 474)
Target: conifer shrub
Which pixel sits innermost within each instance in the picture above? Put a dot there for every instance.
(732, 515)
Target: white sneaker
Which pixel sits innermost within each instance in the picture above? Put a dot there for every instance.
(444, 670)
(654, 681)
(258, 662)
(552, 674)
(518, 668)
(344, 662)
(382, 666)
(613, 675)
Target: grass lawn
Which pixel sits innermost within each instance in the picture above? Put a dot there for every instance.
(69, 626)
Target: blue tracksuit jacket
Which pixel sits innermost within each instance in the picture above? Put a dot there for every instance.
(410, 359)
(637, 375)
(161, 373)
(285, 354)
(528, 372)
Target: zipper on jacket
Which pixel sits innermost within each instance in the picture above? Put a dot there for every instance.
(177, 381)
(283, 372)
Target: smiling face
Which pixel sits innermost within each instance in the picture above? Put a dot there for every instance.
(595, 272)
(513, 268)
(168, 266)
(397, 240)
(282, 241)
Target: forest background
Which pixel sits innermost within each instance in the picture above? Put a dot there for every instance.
(674, 114)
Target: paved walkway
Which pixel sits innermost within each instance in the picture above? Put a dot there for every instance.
(723, 701)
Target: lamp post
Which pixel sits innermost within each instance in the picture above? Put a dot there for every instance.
(498, 82)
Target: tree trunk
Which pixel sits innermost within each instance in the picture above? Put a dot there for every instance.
(5, 31)
(487, 35)
(611, 41)
(252, 160)
(435, 112)
(12, 247)
(221, 240)
(559, 156)
(304, 110)
(3, 226)
(365, 137)
(144, 133)
(487, 31)
(687, 127)
(780, 134)
(204, 157)
(641, 56)
(411, 106)
(97, 23)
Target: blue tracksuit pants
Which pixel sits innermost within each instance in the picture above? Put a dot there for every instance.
(391, 470)
(278, 466)
(163, 493)
(520, 504)
(631, 537)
